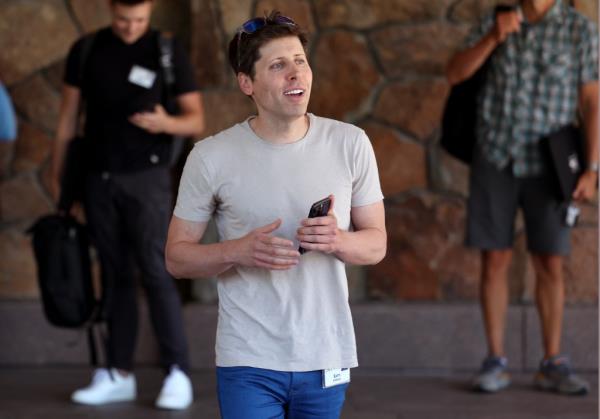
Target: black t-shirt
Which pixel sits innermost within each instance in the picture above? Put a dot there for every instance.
(119, 80)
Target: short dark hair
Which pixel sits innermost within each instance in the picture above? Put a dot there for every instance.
(242, 61)
(128, 2)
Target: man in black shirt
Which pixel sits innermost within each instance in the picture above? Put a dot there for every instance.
(127, 199)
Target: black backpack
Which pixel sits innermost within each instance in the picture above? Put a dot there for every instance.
(62, 251)
(61, 247)
(460, 113)
(460, 116)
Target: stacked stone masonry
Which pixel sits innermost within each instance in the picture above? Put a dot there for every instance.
(377, 63)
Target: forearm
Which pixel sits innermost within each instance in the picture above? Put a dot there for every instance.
(65, 129)
(465, 63)
(58, 156)
(590, 122)
(588, 104)
(65, 132)
(190, 124)
(194, 260)
(364, 247)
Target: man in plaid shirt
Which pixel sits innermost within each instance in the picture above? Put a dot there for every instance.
(544, 69)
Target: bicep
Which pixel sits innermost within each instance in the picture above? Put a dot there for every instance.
(369, 217)
(69, 111)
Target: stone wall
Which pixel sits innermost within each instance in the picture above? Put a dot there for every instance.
(35, 36)
(377, 63)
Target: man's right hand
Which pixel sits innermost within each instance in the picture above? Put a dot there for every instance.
(260, 249)
(506, 23)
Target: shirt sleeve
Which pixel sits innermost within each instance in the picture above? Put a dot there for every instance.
(72, 76)
(366, 188)
(185, 81)
(195, 199)
(589, 54)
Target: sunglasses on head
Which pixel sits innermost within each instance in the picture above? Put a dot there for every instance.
(251, 26)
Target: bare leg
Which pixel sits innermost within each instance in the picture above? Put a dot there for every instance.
(494, 297)
(550, 300)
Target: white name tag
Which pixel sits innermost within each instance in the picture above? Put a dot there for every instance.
(335, 377)
(142, 76)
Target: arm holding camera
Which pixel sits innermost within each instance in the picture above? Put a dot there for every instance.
(366, 245)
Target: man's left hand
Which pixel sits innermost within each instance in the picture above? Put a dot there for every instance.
(320, 233)
(155, 122)
(586, 186)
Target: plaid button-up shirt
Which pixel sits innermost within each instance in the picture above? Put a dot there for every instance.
(532, 86)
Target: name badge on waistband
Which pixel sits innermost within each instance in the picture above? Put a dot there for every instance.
(142, 76)
(335, 377)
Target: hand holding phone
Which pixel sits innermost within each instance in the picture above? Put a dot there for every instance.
(318, 209)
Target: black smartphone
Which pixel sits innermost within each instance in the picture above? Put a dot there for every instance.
(318, 209)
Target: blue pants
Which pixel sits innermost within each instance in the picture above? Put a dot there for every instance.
(255, 393)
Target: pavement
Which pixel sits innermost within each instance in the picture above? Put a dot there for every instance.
(43, 393)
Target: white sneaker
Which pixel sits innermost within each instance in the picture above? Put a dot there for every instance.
(106, 389)
(176, 392)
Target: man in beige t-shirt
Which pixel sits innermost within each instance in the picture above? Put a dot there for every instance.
(285, 339)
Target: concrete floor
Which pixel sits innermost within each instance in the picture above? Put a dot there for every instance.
(43, 393)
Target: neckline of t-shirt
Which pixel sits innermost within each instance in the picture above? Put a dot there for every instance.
(276, 146)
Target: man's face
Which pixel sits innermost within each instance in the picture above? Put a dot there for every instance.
(282, 80)
(131, 22)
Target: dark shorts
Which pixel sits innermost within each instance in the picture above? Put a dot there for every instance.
(495, 195)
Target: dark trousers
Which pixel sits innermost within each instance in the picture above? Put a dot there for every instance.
(128, 216)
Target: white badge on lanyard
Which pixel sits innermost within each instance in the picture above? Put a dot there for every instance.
(335, 377)
(142, 76)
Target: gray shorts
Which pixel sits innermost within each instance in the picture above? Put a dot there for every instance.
(495, 195)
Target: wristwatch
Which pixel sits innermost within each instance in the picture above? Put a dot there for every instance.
(593, 167)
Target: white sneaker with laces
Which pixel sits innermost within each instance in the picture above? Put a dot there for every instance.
(176, 392)
(106, 387)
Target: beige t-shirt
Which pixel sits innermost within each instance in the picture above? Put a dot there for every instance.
(299, 319)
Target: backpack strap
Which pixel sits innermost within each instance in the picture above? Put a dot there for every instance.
(86, 48)
(165, 46)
